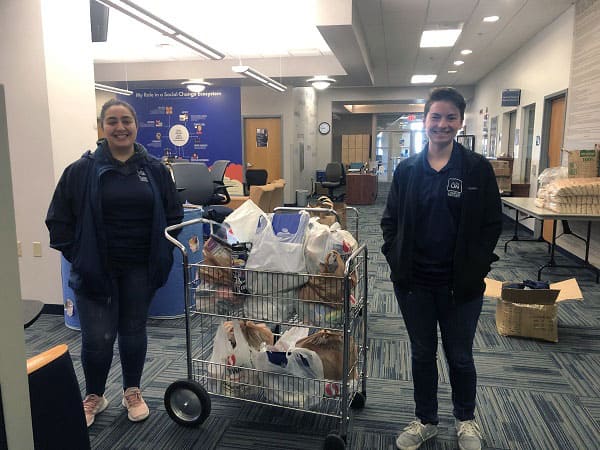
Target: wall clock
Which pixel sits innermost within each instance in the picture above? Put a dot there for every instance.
(324, 128)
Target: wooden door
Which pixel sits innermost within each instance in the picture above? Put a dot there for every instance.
(555, 142)
(262, 145)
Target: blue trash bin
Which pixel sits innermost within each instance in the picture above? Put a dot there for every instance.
(71, 314)
(168, 302)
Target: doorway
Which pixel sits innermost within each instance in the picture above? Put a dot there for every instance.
(528, 124)
(508, 129)
(554, 127)
(262, 145)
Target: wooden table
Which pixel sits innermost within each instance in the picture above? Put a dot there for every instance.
(527, 206)
(361, 188)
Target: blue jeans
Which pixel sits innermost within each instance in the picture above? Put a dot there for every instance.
(123, 314)
(423, 308)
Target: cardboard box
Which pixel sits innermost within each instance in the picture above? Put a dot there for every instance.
(583, 163)
(501, 168)
(504, 183)
(530, 312)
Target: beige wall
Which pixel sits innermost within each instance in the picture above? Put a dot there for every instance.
(50, 103)
(539, 69)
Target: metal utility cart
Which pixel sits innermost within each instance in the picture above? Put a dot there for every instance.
(279, 301)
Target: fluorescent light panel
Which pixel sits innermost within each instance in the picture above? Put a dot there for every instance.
(114, 90)
(147, 18)
(423, 79)
(261, 78)
(439, 38)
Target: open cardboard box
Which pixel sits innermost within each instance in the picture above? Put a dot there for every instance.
(530, 312)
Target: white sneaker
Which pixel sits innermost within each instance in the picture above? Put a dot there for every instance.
(92, 405)
(469, 435)
(415, 434)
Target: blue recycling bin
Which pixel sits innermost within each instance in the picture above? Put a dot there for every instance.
(168, 302)
(71, 313)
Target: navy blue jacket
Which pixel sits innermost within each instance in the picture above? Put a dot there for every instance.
(478, 229)
(75, 222)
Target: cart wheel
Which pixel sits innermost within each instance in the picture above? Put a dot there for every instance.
(187, 403)
(359, 400)
(334, 441)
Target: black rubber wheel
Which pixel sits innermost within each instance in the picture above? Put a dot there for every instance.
(334, 441)
(187, 403)
(359, 400)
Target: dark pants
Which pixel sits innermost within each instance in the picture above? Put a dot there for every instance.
(123, 314)
(423, 309)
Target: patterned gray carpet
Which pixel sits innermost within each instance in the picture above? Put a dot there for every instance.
(531, 394)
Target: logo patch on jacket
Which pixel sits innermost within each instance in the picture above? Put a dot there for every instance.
(454, 187)
(142, 175)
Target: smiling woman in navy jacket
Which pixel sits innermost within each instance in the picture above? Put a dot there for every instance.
(440, 226)
(107, 217)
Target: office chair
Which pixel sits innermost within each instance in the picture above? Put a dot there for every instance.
(255, 177)
(334, 174)
(217, 170)
(195, 184)
(57, 413)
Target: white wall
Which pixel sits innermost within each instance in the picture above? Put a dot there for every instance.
(539, 69)
(48, 74)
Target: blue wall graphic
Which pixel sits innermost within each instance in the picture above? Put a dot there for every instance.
(203, 126)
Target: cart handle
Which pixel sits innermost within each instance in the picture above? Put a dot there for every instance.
(297, 208)
(178, 226)
(351, 257)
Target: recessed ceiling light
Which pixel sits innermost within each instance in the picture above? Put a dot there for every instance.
(415, 79)
(491, 19)
(453, 71)
(321, 82)
(439, 38)
(458, 62)
(196, 85)
(466, 51)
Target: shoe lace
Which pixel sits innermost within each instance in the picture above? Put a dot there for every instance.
(415, 427)
(469, 428)
(90, 403)
(133, 397)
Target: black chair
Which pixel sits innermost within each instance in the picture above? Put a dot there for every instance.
(217, 170)
(255, 177)
(57, 413)
(334, 177)
(195, 184)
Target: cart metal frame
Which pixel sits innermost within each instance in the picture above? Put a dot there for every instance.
(188, 401)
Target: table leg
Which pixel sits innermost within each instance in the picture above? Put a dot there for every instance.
(585, 265)
(516, 234)
(551, 262)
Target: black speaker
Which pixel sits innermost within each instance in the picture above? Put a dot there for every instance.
(99, 21)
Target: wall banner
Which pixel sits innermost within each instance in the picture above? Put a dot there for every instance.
(179, 124)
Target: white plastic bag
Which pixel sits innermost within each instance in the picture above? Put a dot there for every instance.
(289, 338)
(270, 254)
(322, 239)
(228, 363)
(291, 378)
(243, 220)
